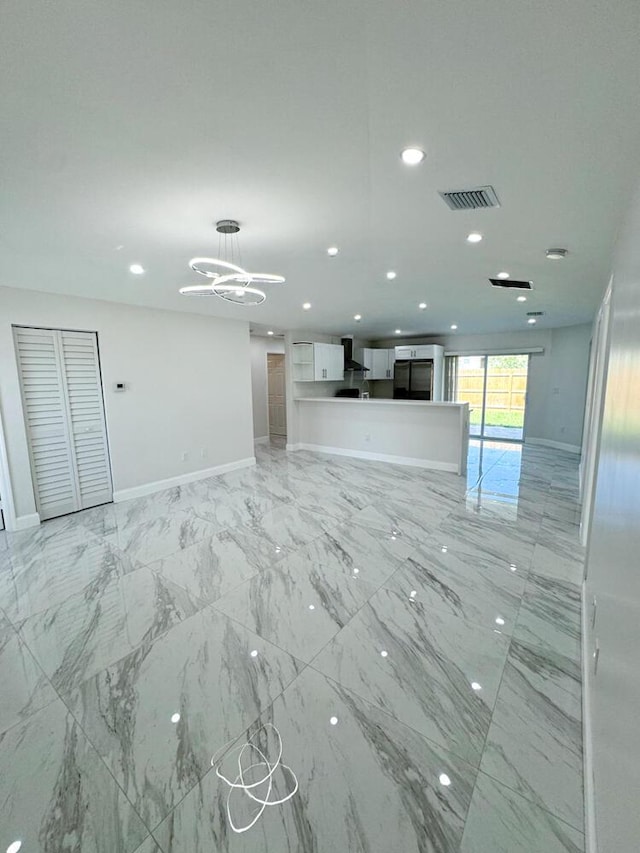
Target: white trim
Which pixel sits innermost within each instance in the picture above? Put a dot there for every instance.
(8, 508)
(558, 445)
(591, 841)
(378, 457)
(502, 351)
(263, 439)
(180, 480)
(23, 522)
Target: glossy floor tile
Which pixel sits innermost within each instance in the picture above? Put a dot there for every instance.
(366, 782)
(413, 635)
(25, 689)
(502, 821)
(57, 795)
(420, 664)
(534, 744)
(157, 716)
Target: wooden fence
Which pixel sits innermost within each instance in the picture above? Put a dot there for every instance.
(506, 388)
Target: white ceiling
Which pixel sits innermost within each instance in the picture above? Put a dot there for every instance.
(138, 124)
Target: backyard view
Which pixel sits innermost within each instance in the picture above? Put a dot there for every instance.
(506, 388)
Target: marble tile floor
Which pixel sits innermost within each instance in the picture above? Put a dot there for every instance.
(413, 635)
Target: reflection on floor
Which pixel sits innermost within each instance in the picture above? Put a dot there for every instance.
(414, 639)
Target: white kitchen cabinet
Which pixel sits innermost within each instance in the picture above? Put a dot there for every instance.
(379, 361)
(418, 351)
(315, 362)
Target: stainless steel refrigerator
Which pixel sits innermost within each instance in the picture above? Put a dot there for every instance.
(413, 380)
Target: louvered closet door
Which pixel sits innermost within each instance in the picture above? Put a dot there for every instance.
(63, 409)
(86, 413)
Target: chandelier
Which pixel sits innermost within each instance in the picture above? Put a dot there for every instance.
(227, 279)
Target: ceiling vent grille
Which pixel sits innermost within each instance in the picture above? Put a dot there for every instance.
(535, 313)
(511, 283)
(474, 199)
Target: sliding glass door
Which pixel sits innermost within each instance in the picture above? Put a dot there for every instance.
(495, 386)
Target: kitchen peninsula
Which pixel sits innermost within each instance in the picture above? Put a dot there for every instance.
(424, 434)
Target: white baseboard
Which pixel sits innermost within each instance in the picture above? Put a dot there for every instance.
(378, 457)
(591, 842)
(558, 445)
(181, 480)
(23, 522)
(263, 439)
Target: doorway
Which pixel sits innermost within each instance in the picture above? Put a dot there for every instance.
(495, 386)
(276, 400)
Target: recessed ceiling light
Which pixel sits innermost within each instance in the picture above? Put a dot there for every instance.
(357, 317)
(531, 321)
(384, 653)
(14, 847)
(391, 275)
(556, 254)
(453, 327)
(412, 156)
(476, 686)
(521, 299)
(503, 275)
(333, 721)
(269, 332)
(332, 251)
(254, 653)
(474, 237)
(398, 331)
(306, 305)
(499, 620)
(136, 269)
(422, 306)
(444, 780)
(175, 718)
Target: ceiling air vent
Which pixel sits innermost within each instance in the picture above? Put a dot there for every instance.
(511, 283)
(474, 199)
(535, 313)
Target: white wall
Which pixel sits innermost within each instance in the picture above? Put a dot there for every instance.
(613, 573)
(188, 378)
(552, 415)
(259, 348)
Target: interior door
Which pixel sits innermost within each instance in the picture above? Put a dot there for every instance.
(64, 418)
(276, 394)
(83, 386)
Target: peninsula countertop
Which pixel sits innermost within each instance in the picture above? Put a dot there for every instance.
(377, 401)
(422, 433)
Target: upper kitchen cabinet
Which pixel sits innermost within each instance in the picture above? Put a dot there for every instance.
(313, 362)
(379, 361)
(419, 351)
